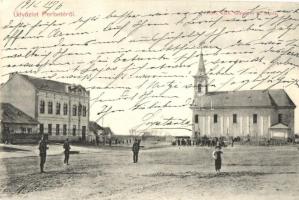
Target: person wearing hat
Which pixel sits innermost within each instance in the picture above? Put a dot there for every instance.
(67, 148)
(217, 157)
(135, 150)
(42, 153)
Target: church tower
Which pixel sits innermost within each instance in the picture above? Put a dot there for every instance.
(200, 79)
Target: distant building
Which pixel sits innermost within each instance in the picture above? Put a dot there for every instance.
(253, 113)
(108, 132)
(61, 109)
(16, 125)
(104, 134)
(95, 130)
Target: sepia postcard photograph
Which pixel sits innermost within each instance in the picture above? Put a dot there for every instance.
(149, 100)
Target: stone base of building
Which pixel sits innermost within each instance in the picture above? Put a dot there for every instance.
(61, 138)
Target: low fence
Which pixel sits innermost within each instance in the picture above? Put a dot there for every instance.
(22, 138)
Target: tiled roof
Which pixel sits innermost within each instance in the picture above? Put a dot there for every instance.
(11, 114)
(246, 98)
(44, 84)
(281, 98)
(108, 131)
(94, 127)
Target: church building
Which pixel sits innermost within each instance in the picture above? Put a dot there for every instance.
(249, 113)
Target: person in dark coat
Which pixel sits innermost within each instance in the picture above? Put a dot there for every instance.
(217, 156)
(67, 148)
(97, 140)
(42, 153)
(135, 150)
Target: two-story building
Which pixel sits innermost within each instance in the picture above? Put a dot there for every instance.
(61, 109)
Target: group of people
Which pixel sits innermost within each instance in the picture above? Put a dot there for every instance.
(203, 141)
(111, 141)
(184, 142)
(43, 147)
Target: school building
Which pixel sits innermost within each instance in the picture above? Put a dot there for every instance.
(61, 109)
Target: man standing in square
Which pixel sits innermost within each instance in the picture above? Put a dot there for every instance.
(42, 153)
(67, 148)
(135, 150)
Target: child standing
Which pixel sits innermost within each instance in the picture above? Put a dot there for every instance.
(217, 156)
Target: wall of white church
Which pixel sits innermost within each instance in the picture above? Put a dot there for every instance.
(239, 122)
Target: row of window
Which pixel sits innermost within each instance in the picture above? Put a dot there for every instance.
(199, 86)
(76, 110)
(57, 129)
(235, 119)
(26, 130)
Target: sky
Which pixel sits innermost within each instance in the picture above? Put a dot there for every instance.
(138, 60)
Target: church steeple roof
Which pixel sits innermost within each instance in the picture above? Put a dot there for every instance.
(201, 66)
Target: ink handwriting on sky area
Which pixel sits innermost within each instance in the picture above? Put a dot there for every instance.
(143, 62)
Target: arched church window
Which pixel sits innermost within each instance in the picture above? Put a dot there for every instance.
(199, 87)
(196, 119)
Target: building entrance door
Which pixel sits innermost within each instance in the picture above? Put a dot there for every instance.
(83, 133)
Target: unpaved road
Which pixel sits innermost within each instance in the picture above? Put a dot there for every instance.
(163, 173)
